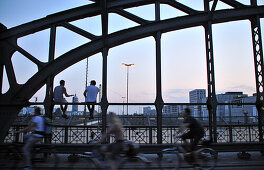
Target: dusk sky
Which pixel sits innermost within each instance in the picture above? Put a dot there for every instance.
(183, 53)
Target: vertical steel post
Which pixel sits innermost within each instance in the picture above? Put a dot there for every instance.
(48, 102)
(104, 101)
(86, 83)
(127, 87)
(2, 28)
(258, 61)
(159, 101)
(211, 101)
(1, 75)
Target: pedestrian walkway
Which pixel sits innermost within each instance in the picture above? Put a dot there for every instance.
(226, 160)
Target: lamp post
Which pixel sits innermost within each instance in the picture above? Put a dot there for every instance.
(127, 65)
(123, 105)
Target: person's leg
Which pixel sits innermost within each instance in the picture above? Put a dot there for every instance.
(116, 149)
(31, 140)
(27, 150)
(194, 143)
(90, 108)
(61, 107)
(112, 163)
(184, 149)
(64, 111)
(187, 146)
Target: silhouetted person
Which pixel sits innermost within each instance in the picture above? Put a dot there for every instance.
(90, 94)
(58, 97)
(113, 149)
(195, 133)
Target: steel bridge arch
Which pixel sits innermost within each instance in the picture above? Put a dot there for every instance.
(18, 95)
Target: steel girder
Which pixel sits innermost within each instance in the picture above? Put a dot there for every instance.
(259, 68)
(18, 95)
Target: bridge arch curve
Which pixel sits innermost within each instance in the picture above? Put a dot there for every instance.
(121, 37)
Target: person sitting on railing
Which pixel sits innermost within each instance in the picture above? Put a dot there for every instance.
(90, 94)
(115, 129)
(59, 91)
(36, 127)
(195, 133)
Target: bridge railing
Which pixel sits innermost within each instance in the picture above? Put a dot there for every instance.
(140, 134)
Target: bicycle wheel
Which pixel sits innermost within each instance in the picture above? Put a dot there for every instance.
(12, 157)
(134, 162)
(49, 159)
(53, 159)
(92, 163)
(12, 161)
(171, 159)
(206, 158)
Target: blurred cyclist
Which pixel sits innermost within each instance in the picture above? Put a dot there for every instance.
(195, 133)
(36, 127)
(115, 129)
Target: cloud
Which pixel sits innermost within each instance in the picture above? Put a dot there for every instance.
(176, 95)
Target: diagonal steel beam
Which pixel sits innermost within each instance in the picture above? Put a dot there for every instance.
(79, 31)
(214, 6)
(179, 6)
(234, 3)
(11, 75)
(29, 56)
(130, 16)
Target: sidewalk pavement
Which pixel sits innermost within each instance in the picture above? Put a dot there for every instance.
(225, 161)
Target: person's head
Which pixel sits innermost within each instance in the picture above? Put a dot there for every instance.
(93, 82)
(187, 112)
(113, 118)
(37, 111)
(62, 82)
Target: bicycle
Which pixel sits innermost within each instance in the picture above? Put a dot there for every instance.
(13, 158)
(92, 161)
(206, 156)
(129, 158)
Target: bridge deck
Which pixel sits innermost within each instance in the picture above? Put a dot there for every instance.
(225, 161)
(155, 148)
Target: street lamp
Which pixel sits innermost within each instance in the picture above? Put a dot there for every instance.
(127, 65)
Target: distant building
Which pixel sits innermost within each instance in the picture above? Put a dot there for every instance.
(29, 110)
(148, 111)
(75, 100)
(228, 97)
(233, 113)
(197, 96)
(75, 113)
(173, 110)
